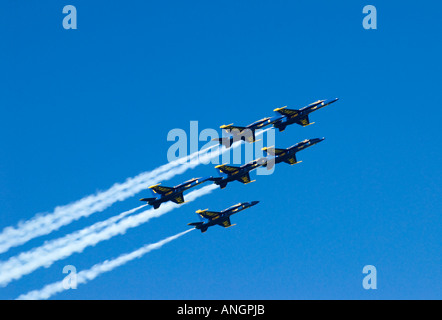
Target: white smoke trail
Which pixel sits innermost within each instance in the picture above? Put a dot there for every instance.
(27, 262)
(85, 276)
(43, 224)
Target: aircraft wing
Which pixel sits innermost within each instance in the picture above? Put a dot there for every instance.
(304, 121)
(179, 198)
(287, 112)
(230, 127)
(291, 160)
(245, 178)
(249, 136)
(226, 223)
(208, 214)
(273, 151)
(226, 169)
(160, 189)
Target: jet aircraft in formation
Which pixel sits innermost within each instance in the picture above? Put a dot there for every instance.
(233, 173)
(289, 155)
(281, 120)
(230, 173)
(174, 194)
(248, 132)
(220, 218)
(290, 116)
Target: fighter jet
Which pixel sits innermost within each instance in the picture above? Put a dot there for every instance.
(288, 155)
(219, 218)
(243, 133)
(232, 173)
(174, 194)
(290, 116)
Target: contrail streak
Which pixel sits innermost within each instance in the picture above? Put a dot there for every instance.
(108, 265)
(45, 255)
(43, 224)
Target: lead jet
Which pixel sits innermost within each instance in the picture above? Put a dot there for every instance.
(232, 173)
(242, 133)
(219, 218)
(174, 194)
(290, 116)
(288, 155)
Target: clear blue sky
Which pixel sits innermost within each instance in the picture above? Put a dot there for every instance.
(83, 109)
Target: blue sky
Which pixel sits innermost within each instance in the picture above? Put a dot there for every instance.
(83, 109)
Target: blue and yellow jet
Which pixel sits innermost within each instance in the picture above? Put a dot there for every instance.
(288, 155)
(290, 116)
(174, 194)
(242, 133)
(219, 218)
(232, 173)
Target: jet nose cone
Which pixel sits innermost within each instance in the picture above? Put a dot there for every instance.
(254, 202)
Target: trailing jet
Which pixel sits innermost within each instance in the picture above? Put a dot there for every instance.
(220, 218)
(290, 116)
(174, 194)
(232, 173)
(288, 155)
(243, 133)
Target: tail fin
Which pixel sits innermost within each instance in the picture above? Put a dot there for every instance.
(152, 202)
(221, 184)
(199, 225)
(281, 128)
(219, 180)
